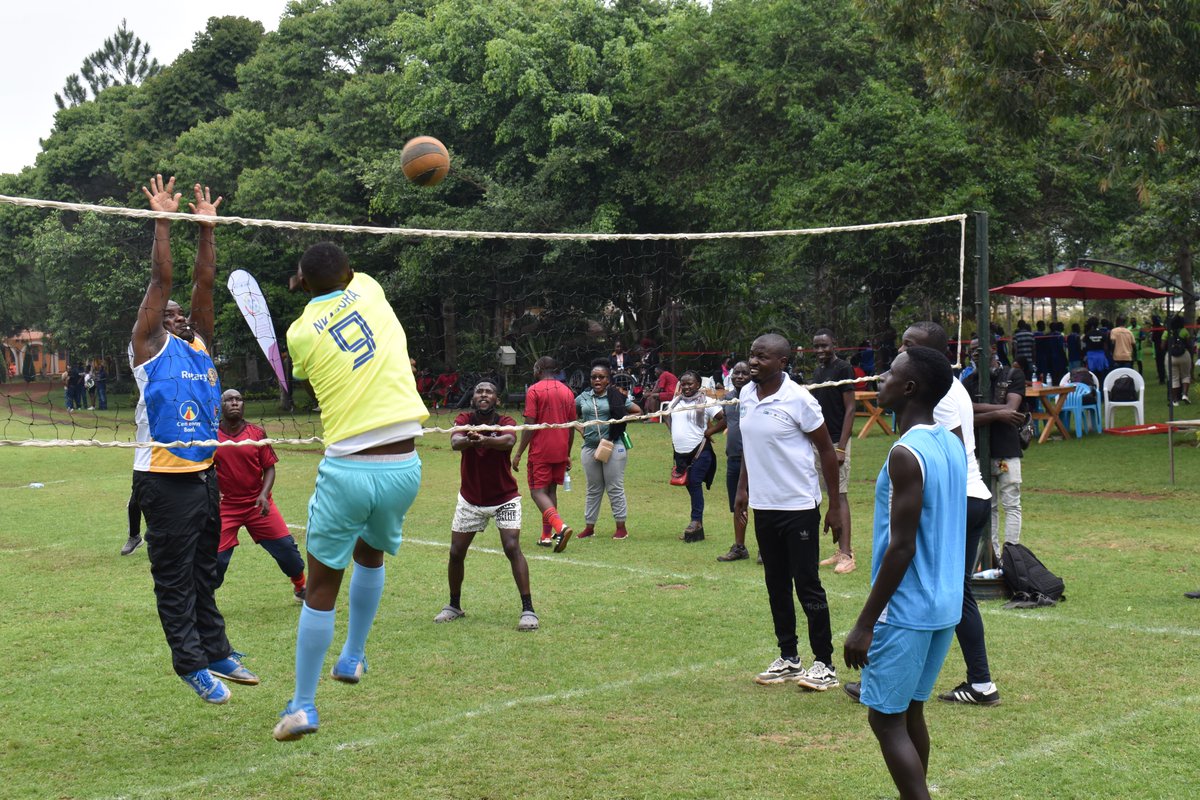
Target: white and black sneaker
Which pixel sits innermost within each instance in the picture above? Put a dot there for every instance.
(819, 677)
(782, 670)
(966, 693)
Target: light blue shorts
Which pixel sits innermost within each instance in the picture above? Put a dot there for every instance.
(359, 499)
(904, 666)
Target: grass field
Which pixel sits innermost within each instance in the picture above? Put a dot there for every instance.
(639, 683)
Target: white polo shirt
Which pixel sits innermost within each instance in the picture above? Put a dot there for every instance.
(776, 447)
(956, 410)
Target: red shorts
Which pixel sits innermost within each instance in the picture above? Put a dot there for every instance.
(235, 517)
(542, 475)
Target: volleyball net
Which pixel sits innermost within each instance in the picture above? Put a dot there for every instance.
(478, 305)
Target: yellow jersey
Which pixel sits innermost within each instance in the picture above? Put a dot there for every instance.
(350, 346)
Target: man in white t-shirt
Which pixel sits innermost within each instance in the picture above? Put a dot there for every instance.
(956, 413)
(781, 424)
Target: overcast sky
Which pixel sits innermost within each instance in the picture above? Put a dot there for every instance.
(44, 41)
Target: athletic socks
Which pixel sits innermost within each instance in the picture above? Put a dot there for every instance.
(298, 582)
(455, 600)
(984, 688)
(314, 634)
(366, 588)
(546, 529)
(550, 517)
(526, 602)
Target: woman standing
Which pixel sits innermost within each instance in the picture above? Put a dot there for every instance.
(604, 454)
(692, 424)
(1180, 352)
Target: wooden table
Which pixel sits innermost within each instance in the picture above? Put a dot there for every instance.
(1052, 398)
(873, 413)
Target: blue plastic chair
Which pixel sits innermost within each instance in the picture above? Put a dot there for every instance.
(1078, 411)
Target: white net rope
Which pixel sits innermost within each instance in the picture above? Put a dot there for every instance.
(29, 202)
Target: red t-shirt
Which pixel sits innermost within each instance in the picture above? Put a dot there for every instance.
(487, 476)
(550, 401)
(666, 385)
(240, 469)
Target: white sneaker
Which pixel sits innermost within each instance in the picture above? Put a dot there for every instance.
(781, 671)
(449, 614)
(819, 677)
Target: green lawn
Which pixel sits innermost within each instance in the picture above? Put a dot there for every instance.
(639, 683)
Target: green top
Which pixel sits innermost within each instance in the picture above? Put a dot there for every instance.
(590, 407)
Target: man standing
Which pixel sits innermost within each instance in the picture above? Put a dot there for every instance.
(955, 413)
(1024, 345)
(488, 490)
(1002, 417)
(781, 423)
(1120, 340)
(351, 351)
(837, 407)
(246, 476)
(176, 488)
(903, 633)
(730, 421)
(548, 401)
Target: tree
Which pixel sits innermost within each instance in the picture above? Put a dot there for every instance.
(1135, 64)
(124, 59)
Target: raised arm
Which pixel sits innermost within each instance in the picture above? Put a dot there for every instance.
(148, 331)
(204, 273)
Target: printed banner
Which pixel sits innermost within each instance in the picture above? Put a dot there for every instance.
(250, 300)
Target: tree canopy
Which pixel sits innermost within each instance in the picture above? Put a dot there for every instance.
(635, 116)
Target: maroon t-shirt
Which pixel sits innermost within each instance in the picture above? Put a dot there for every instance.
(550, 401)
(487, 476)
(240, 469)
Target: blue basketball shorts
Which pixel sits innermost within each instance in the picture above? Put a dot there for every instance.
(360, 498)
(904, 665)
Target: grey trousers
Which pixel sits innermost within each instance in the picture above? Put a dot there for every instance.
(603, 478)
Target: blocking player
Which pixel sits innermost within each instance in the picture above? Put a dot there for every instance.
(488, 491)
(351, 350)
(176, 488)
(246, 475)
(905, 628)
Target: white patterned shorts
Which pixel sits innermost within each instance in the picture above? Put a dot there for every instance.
(470, 518)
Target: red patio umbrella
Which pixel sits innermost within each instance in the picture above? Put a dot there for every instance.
(1079, 283)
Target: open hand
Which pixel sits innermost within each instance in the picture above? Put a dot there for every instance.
(162, 196)
(204, 205)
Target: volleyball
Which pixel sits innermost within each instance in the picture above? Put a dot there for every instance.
(425, 161)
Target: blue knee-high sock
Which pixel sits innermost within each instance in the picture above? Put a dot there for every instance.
(366, 588)
(314, 634)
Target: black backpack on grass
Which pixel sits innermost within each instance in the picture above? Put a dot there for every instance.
(1028, 579)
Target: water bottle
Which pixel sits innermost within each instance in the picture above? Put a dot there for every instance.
(988, 574)
(567, 482)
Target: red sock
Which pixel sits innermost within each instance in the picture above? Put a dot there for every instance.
(550, 516)
(546, 529)
(298, 582)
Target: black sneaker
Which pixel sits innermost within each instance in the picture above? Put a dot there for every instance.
(1192, 595)
(131, 544)
(854, 689)
(963, 693)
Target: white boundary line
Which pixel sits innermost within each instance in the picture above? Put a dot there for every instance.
(1069, 743)
(290, 752)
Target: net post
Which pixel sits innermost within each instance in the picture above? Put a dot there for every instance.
(983, 325)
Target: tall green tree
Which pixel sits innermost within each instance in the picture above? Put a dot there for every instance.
(122, 60)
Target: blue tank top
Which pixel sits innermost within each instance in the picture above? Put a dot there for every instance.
(930, 595)
(180, 401)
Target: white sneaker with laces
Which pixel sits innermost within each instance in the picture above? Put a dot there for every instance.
(819, 677)
(781, 670)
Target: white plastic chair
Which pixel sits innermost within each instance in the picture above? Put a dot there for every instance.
(1111, 405)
